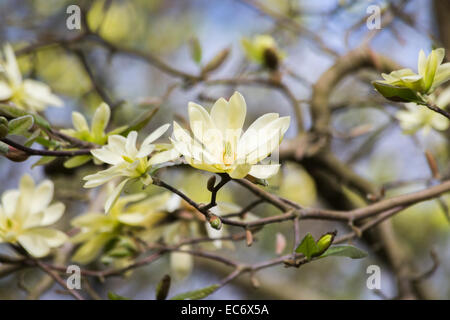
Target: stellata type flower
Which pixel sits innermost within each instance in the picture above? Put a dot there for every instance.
(27, 94)
(417, 117)
(128, 161)
(431, 73)
(25, 214)
(135, 211)
(219, 144)
(96, 134)
(263, 50)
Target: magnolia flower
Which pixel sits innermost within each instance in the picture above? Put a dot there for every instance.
(419, 117)
(432, 73)
(128, 161)
(219, 144)
(263, 50)
(27, 94)
(25, 214)
(98, 229)
(96, 134)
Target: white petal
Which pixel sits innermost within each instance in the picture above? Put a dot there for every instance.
(107, 156)
(5, 91)
(130, 145)
(42, 196)
(164, 156)
(156, 134)
(11, 66)
(422, 62)
(229, 115)
(79, 122)
(145, 150)
(34, 244)
(264, 171)
(100, 119)
(112, 198)
(52, 214)
(41, 92)
(116, 143)
(201, 124)
(9, 201)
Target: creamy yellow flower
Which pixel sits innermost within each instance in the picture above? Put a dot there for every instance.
(27, 94)
(25, 214)
(96, 134)
(128, 161)
(418, 117)
(219, 144)
(431, 73)
(97, 229)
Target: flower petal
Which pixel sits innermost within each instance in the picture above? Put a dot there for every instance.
(5, 91)
(52, 214)
(79, 122)
(42, 196)
(229, 115)
(156, 134)
(264, 171)
(100, 120)
(112, 198)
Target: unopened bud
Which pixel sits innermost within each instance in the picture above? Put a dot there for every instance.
(215, 222)
(211, 183)
(249, 237)
(16, 155)
(271, 59)
(3, 127)
(325, 242)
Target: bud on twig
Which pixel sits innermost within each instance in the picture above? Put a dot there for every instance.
(16, 155)
(3, 127)
(249, 237)
(215, 222)
(162, 289)
(432, 164)
(271, 59)
(280, 243)
(211, 183)
(216, 62)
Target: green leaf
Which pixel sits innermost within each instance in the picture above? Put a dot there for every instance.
(115, 296)
(20, 125)
(196, 50)
(141, 122)
(32, 138)
(345, 251)
(308, 246)
(13, 112)
(196, 294)
(42, 161)
(397, 94)
(162, 289)
(77, 161)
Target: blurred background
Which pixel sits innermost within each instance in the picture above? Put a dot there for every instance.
(85, 73)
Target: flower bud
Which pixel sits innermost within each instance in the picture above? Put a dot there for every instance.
(211, 183)
(215, 222)
(3, 127)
